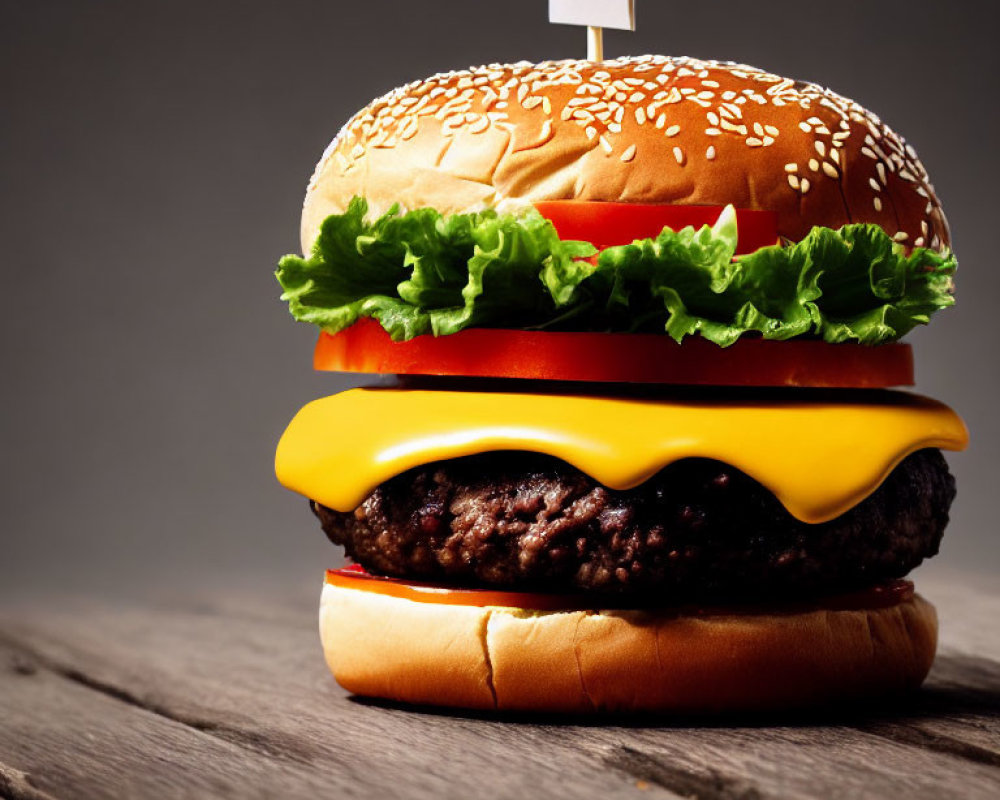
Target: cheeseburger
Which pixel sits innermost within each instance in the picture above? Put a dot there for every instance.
(644, 453)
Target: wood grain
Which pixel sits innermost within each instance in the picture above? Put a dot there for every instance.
(229, 697)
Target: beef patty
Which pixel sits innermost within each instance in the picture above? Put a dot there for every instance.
(698, 530)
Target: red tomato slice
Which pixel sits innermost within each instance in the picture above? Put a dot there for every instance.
(615, 358)
(609, 224)
(355, 577)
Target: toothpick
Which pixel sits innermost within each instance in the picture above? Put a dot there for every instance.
(596, 15)
(595, 43)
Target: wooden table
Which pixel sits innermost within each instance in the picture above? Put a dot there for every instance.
(229, 697)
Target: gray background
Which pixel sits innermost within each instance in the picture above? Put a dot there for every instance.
(153, 158)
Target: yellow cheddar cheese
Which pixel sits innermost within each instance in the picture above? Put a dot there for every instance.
(819, 458)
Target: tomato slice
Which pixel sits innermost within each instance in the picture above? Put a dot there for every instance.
(365, 347)
(609, 224)
(355, 577)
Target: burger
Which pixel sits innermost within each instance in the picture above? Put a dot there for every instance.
(644, 453)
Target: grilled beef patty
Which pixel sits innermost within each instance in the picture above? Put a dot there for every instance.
(699, 530)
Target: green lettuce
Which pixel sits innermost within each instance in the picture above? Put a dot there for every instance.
(421, 272)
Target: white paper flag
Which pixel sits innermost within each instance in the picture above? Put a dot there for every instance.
(618, 14)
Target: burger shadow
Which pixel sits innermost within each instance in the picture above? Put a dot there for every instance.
(961, 689)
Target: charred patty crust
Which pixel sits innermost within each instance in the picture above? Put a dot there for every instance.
(698, 530)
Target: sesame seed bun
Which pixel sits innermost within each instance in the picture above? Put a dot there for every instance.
(650, 129)
(621, 661)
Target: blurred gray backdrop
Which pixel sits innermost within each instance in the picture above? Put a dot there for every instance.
(153, 158)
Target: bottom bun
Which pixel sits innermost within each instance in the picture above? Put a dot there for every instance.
(621, 661)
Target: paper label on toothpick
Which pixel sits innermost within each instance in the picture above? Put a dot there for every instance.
(618, 14)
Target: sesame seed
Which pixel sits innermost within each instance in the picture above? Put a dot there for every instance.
(409, 129)
(713, 118)
(758, 129)
(771, 130)
(614, 127)
(791, 167)
(661, 120)
(679, 156)
(835, 157)
(877, 202)
(629, 153)
(713, 132)
(919, 242)
(605, 144)
(805, 185)
(673, 130)
(813, 165)
(532, 102)
(793, 181)
(874, 184)
(640, 115)
(591, 131)
(820, 148)
(805, 127)
(753, 141)
(830, 170)
(710, 153)
(901, 236)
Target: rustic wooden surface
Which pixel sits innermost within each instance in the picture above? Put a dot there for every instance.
(229, 698)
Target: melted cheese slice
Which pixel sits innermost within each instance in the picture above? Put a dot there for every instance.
(819, 459)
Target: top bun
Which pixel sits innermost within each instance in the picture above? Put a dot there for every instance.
(650, 129)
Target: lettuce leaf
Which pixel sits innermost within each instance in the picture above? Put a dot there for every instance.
(420, 272)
